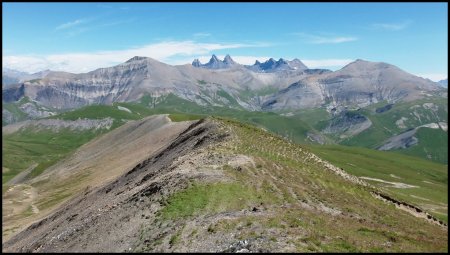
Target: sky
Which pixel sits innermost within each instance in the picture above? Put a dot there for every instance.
(81, 37)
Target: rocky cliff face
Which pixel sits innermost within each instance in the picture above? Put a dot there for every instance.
(272, 65)
(215, 63)
(360, 83)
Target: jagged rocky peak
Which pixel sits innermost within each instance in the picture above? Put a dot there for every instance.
(214, 59)
(216, 63)
(135, 58)
(196, 63)
(273, 65)
(297, 64)
(271, 60)
(228, 60)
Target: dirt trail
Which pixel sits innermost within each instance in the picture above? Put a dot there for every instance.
(417, 212)
(22, 176)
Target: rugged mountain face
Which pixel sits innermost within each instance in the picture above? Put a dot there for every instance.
(139, 76)
(215, 63)
(443, 83)
(360, 83)
(10, 76)
(214, 185)
(272, 65)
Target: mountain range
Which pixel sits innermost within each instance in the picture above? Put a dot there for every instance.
(272, 85)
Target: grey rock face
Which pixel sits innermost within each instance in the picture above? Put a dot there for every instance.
(299, 95)
(12, 94)
(443, 83)
(215, 63)
(272, 65)
(10, 76)
(359, 84)
(57, 124)
(8, 117)
(401, 141)
(196, 63)
(347, 124)
(34, 112)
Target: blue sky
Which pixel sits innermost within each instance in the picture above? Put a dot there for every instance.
(80, 37)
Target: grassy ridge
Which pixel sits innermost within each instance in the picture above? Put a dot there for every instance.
(280, 181)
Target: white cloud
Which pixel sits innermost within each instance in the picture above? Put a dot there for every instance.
(201, 34)
(392, 26)
(168, 52)
(341, 39)
(71, 24)
(325, 39)
(434, 76)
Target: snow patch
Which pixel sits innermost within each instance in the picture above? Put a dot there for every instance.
(124, 109)
(392, 184)
(430, 125)
(443, 125)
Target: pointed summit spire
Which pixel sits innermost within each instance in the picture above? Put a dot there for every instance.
(196, 63)
(214, 58)
(228, 60)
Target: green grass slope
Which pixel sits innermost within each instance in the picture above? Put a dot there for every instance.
(429, 178)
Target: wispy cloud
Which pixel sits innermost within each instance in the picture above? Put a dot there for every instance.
(167, 51)
(324, 39)
(71, 24)
(201, 34)
(79, 26)
(392, 26)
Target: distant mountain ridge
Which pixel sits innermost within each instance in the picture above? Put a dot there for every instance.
(216, 63)
(443, 83)
(11, 76)
(289, 85)
(272, 65)
(268, 66)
